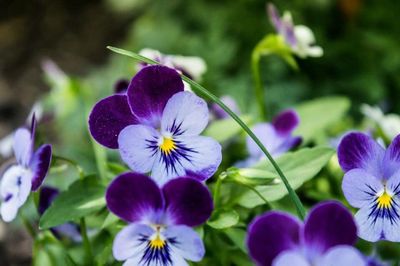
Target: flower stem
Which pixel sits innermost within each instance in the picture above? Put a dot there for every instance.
(258, 87)
(86, 243)
(71, 162)
(201, 90)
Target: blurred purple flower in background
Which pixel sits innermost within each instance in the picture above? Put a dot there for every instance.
(26, 175)
(219, 113)
(325, 238)
(372, 184)
(156, 127)
(160, 220)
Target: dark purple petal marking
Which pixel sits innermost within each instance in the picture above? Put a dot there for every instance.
(358, 150)
(187, 201)
(391, 160)
(150, 90)
(40, 165)
(47, 195)
(329, 224)
(270, 234)
(286, 122)
(157, 255)
(133, 197)
(108, 117)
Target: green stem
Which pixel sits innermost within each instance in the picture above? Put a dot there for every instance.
(258, 87)
(201, 90)
(71, 162)
(86, 243)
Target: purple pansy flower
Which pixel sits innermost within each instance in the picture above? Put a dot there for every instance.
(276, 136)
(156, 127)
(47, 196)
(219, 113)
(160, 219)
(299, 38)
(121, 86)
(372, 184)
(26, 175)
(325, 238)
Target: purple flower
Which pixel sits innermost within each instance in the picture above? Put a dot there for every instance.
(219, 113)
(325, 238)
(26, 175)
(299, 38)
(70, 230)
(372, 184)
(121, 86)
(156, 127)
(276, 136)
(160, 219)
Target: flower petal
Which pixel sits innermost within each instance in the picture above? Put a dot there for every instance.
(121, 86)
(285, 122)
(40, 165)
(23, 146)
(290, 258)
(268, 136)
(128, 243)
(150, 90)
(327, 225)
(47, 195)
(230, 102)
(359, 187)
(370, 227)
(343, 255)
(138, 147)
(187, 243)
(358, 150)
(108, 117)
(188, 202)
(184, 114)
(271, 234)
(133, 197)
(392, 158)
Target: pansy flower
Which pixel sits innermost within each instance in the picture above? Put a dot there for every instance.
(276, 137)
(160, 219)
(325, 238)
(372, 184)
(156, 127)
(70, 230)
(26, 174)
(121, 86)
(299, 38)
(230, 102)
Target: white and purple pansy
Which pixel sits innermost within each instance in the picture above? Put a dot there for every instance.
(372, 184)
(325, 238)
(156, 127)
(26, 174)
(160, 219)
(276, 137)
(299, 38)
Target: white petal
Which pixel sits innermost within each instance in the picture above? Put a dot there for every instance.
(290, 258)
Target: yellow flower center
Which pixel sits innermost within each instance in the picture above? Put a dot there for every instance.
(157, 243)
(167, 145)
(384, 201)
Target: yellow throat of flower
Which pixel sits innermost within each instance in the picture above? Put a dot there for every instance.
(157, 243)
(384, 201)
(167, 145)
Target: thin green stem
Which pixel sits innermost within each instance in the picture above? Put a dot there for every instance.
(71, 162)
(258, 87)
(86, 243)
(201, 90)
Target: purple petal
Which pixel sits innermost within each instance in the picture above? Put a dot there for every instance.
(268, 136)
(358, 150)
(274, 17)
(23, 146)
(391, 161)
(188, 202)
(230, 103)
(187, 244)
(137, 147)
(285, 122)
(271, 234)
(40, 165)
(328, 224)
(343, 255)
(150, 90)
(108, 117)
(47, 195)
(133, 197)
(370, 227)
(121, 86)
(185, 114)
(359, 187)
(288, 144)
(290, 258)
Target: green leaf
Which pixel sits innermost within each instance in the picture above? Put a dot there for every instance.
(110, 220)
(223, 130)
(83, 197)
(222, 219)
(319, 114)
(298, 167)
(237, 236)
